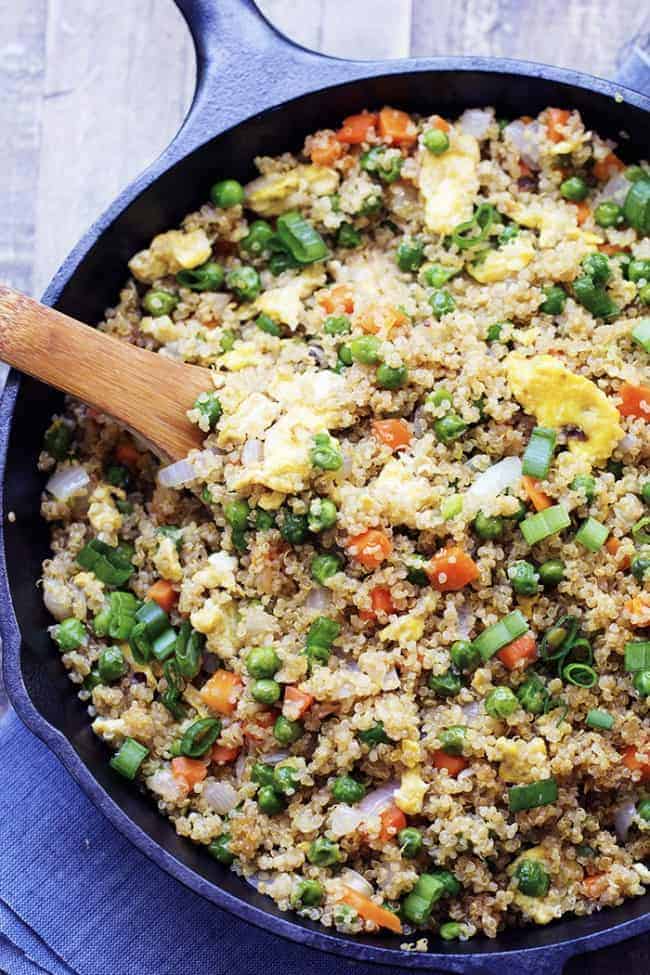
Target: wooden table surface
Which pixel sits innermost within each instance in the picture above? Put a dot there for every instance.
(92, 91)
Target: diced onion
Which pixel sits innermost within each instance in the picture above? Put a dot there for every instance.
(623, 817)
(177, 474)
(353, 879)
(252, 453)
(615, 190)
(471, 711)
(165, 784)
(525, 139)
(345, 819)
(67, 481)
(476, 122)
(274, 758)
(376, 801)
(629, 442)
(220, 796)
(318, 598)
(390, 680)
(257, 621)
(494, 481)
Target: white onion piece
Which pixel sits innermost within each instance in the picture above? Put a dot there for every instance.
(615, 189)
(353, 879)
(220, 796)
(476, 122)
(57, 598)
(257, 621)
(629, 441)
(67, 481)
(252, 453)
(390, 680)
(240, 766)
(376, 801)
(345, 819)
(492, 482)
(177, 474)
(274, 758)
(471, 711)
(165, 784)
(623, 817)
(525, 139)
(420, 424)
(319, 598)
(464, 625)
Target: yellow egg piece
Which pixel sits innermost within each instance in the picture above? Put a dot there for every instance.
(449, 183)
(502, 263)
(558, 397)
(410, 795)
(276, 193)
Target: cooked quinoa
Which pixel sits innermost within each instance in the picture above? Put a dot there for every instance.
(404, 586)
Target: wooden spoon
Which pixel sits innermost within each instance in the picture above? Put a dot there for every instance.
(145, 392)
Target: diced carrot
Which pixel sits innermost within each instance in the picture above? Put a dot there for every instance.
(635, 401)
(370, 911)
(392, 821)
(256, 728)
(370, 548)
(451, 569)
(556, 117)
(612, 544)
(163, 593)
(190, 771)
(394, 433)
(453, 764)
(595, 885)
(223, 755)
(382, 601)
(607, 167)
(355, 128)
(438, 122)
(397, 127)
(638, 760)
(221, 691)
(639, 610)
(296, 702)
(521, 651)
(126, 454)
(612, 249)
(539, 499)
(582, 212)
(380, 318)
(325, 149)
(337, 300)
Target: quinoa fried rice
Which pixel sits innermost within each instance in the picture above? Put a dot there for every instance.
(404, 585)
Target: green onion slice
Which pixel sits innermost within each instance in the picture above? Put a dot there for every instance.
(474, 231)
(636, 208)
(539, 793)
(539, 452)
(200, 736)
(600, 719)
(637, 655)
(592, 534)
(111, 564)
(165, 644)
(303, 241)
(499, 635)
(545, 523)
(153, 618)
(641, 334)
(582, 675)
(641, 531)
(128, 759)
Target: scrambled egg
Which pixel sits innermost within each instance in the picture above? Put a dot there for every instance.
(411, 753)
(286, 465)
(167, 562)
(103, 515)
(449, 183)
(284, 304)
(219, 572)
(170, 252)
(558, 397)
(410, 795)
(276, 193)
(501, 263)
(521, 761)
(407, 629)
(555, 222)
(92, 589)
(401, 493)
(251, 418)
(243, 355)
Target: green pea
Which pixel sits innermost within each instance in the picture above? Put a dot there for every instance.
(382, 163)
(284, 779)
(645, 492)
(643, 294)
(325, 453)
(445, 685)
(286, 731)
(488, 527)
(244, 282)
(439, 397)
(269, 801)
(322, 515)
(219, 849)
(236, 514)
(365, 349)
(586, 485)
(258, 238)
(227, 341)
(442, 302)
(207, 277)
(92, 680)
(344, 357)
(57, 440)
(551, 573)
(532, 695)
(574, 188)
(375, 735)
(410, 842)
(554, 300)
(265, 691)
(410, 255)
(266, 324)
(643, 810)
(450, 931)
(307, 893)
(634, 173)
(118, 475)
(70, 634)
(608, 214)
(436, 141)
(262, 774)
(262, 662)
(111, 665)
(597, 267)
(371, 204)
(227, 193)
(639, 270)
(337, 325)
(436, 275)
(391, 377)
(524, 579)
(452, 739)
(493, 333)
(348, 236)
(264, 520)
(501, 702)
(323, 852)
(348, 789)
(324, 567)
(464, 655)
(208, 405)
(159, 303)
(449, 428)
(640, 567)
(294, 527)
(532, 879)
(642, 682)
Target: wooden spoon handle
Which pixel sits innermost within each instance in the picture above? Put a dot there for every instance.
(146, 392)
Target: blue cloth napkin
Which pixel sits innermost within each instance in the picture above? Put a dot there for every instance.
(77, 899)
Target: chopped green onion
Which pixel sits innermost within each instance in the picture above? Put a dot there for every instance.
(129, 758)
(303, 241)
(499, 635)
(200, 736)
(594, 298)
(539, 793)
(539, 452)
(592, 534)
(474, 231)
(122, 615)
(600, 719)
(641, 334)
(153, 617)
(641, 531)
(110, 563)
(637, 655)
(451, 506)
(545, 523)
(164, 645)
(636, 208)
(189, 651)
(582, 675)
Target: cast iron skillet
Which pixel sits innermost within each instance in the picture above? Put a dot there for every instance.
(247, 71)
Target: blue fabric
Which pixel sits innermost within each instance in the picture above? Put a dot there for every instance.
(77, 899)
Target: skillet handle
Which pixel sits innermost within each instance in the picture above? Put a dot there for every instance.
(634, 72)
(245, 65)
